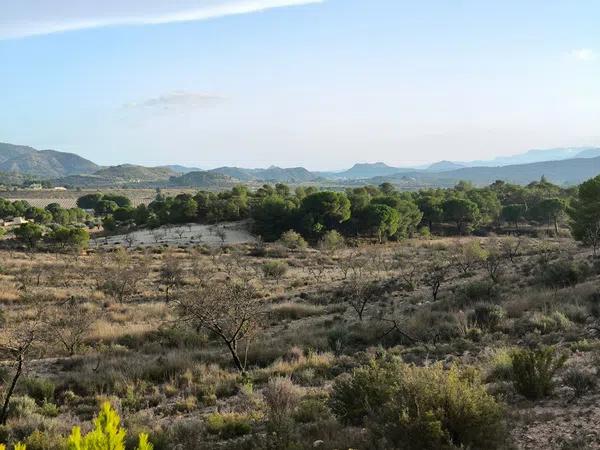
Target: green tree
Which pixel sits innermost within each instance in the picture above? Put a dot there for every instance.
(585, 214)
(38, 215)
(324, 211)
(105, 207)
(30, 234)
(514, 214)
(120, 200)
(431, 205)
(381, 220)
(73, 238)
(551, 210)
(184, 209)
(463, 212)
(272, 216)
(89, 201)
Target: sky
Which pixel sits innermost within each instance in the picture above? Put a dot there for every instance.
(316, 83)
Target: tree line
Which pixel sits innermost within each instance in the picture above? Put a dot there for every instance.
(372, 211)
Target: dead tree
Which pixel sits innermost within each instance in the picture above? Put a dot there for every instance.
(437, 272)
(71, 324)
(359, 293)
(229, 309)
(171, 274)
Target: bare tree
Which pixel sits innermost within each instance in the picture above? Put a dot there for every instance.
(468, 256)
(229, 309)
(129, 239)
(158, 235)
(118, 275)
(493, 264)
(360, 292)
(17, 342)
(180, 231)
(171, 274)
(510, 247)
(222, 235)
(71, 324)
(437, 272)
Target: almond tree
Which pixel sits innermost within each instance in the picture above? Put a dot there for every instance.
(229, 309)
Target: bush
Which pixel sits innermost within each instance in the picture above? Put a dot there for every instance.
(292, 240)
(281, 397)
(533, 371)
(581, 381)
(40, 389)
(107, 433)
(419, 407)
(228, 425)
(477, 291)
(274, 269)
(542, 323)
(563, 273)
(21, 407)
(488, 316)
(332, 240)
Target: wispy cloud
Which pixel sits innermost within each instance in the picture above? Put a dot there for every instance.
(584, 54)
(177, 101)
(22, 18)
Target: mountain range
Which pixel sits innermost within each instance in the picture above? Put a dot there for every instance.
(566, 166)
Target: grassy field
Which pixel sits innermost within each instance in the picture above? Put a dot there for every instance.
(118, 325)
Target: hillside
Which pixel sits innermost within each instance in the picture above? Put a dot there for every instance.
(200, 179)
(273, 173)
(367, 170)
(25, 160)
(134, 173)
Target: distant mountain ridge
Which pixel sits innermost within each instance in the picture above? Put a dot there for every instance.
(569, 166)
(20, 159)
(562, 172)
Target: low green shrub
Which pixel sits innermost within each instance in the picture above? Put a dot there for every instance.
(563, 273)
(274, 269)
(293, 240)
(534, 370)
(419, 408)
(488, 316)
(476, 292)
(21, 407)
(228, 425)
(40, 389)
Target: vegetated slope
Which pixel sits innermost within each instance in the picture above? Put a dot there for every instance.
(126, 175)
(133, 173)
(568, 171)
(181, 169)
(273, 173)
(201, 179)
(42, 164)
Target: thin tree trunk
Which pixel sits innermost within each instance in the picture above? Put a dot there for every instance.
(234, 355)
(10, 391)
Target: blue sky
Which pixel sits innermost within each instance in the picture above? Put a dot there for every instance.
(321, 84)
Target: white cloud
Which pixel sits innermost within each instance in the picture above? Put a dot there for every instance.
(584, 54)
(21, 18)
(177, 100)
